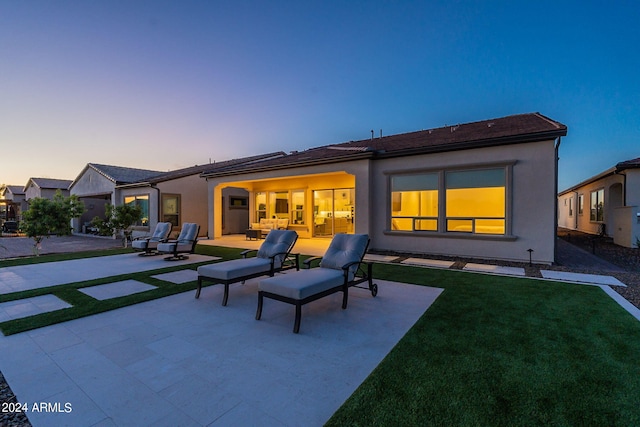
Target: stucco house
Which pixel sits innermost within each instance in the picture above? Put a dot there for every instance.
(176, 196)
(606, 203)
(180, 196)
(12, 203)
(46, 188)
(97, 185)
(484, 190)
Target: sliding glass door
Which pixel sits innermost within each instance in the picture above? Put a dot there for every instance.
(333, 211)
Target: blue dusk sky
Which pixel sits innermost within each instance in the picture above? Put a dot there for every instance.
(169, 84)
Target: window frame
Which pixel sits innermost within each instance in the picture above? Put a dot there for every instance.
(178, 215)
(594, 217)
(580, 204)
(442, 218)
(136, 198)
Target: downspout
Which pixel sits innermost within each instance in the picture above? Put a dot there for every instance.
(555, 230)
(159, 201)
(575, 211)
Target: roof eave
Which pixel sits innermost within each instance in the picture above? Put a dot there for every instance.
(294, 164)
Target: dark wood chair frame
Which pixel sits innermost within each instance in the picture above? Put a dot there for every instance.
(363, 274)
(290, 261)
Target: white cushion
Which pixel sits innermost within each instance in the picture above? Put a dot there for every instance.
(277, 241)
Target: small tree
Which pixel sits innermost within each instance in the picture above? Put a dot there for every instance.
(118, 219)
(45, 217)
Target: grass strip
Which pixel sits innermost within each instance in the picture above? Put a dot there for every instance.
(504, 351)
(84, 305)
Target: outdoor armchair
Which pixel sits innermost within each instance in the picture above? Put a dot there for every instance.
(341, 267)
(184, 244)
(149, 244)
(273, 256)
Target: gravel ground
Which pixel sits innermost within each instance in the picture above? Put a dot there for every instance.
(626, 259)
(575, 254)
(10, 418)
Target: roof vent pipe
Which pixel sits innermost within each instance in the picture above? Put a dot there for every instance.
(380, 133)
(372, 134)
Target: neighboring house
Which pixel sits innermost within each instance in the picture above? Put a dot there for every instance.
(12, 203)
(96, 186)
(180, 196)
(46, 188)
(484, 190)
(606, 203)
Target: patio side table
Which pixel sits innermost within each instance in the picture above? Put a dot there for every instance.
(252, 233)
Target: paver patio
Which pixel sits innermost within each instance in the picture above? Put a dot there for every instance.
(182, 361)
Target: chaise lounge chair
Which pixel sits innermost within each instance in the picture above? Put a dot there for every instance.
(184, 244)
(274, 255)
(338, 270)
(149, 244)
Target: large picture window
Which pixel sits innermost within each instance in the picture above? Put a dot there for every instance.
(597, 206)
(143, 202)
(451, 201)
(414, 202)
(476, 201)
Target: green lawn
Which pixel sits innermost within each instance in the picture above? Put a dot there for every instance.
(490, 351)
(497, 351)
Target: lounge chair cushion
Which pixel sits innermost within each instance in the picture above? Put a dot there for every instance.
(345, 248)
(236, 268)
(184, 242)
(171, 247)
(160, 233)
(188, 233)
(277, 242)
(302, 284)
(144, 244)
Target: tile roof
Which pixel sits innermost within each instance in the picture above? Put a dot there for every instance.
(514, 129)
(198, 169)
(628, 164)
(123, 175)
(16, 189)
(50, 183)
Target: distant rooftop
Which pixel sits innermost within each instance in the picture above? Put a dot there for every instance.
(49, 183)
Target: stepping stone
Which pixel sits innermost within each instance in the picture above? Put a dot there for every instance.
(379, 258)
(495, 269)
(178, 277)
(116, 289)
(590, 279)
(435, 263)
(31, 306)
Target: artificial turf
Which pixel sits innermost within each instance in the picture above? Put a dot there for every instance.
(505, 351)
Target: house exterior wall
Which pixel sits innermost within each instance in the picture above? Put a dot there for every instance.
(92, 188)
(31, 192)
(530, 210)
(612, 186)
(193, 199)
(633, 187)
(530, 200)
(235, 218)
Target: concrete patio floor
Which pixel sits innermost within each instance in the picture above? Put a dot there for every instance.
(182, 361)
